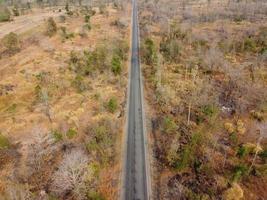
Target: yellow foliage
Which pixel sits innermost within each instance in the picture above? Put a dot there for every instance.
(240, 127)
(253, 147)
(229, 127)
(233, 193)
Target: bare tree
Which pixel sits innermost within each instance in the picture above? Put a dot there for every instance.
(72, 175)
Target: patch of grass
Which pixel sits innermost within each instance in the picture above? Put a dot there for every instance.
(116, 65)
(242, 151)
(112, 105)
(92, 195)
(168, 125)
(239, 172)
(71, 133)
(57, 136)
(209, 110)
(4, 14)
(4, 142)
(12, 108)
(78, 83)
(189, 152)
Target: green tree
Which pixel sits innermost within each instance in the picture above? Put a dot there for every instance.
(116, 65)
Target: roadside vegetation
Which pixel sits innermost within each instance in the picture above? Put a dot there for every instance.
(205, 80)
(62, 97)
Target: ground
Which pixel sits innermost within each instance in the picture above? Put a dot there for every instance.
(44, 100)
(204, 65)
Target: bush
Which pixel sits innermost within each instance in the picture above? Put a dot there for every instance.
(209, 110)
(112, 105)
(102, 9)
(15, 11)
(51, 27)
(11, 42)
(149, 52)
(250, 45)
(67, 7)
(71, 133)
(239, 172)
(57, 136)
(189, 152)
(233, 193)
(116, 65)
(87, 26)
(66, 35)
(4, 14)
(170, 49)
(87, 18)
(168, 125)
(4, 142)
(121, 49)
(102, 140)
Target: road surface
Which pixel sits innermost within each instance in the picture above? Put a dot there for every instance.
(136, 176)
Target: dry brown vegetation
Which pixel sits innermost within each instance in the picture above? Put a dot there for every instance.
(205, 66)
(62, 97)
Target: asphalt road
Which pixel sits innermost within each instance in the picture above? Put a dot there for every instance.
(135, 186)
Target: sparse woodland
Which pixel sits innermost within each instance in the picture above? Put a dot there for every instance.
(62, 99)
(205, 67)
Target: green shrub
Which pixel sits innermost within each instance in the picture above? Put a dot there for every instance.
(87, 26)
(116, 65)
(233, 138)
(57, 136)
(263, 154)
(170, 49)
(87, 18)
(11, 42)
(67, 7)
(51, 27)
(250, 45)
(4, 14)
(71, 133)
(78, 83)
(149, 53)
(15, 11)
(66, 35)
(168, 125)
(243, 151)
(4, 142)
(189, 152)
(209, 110)
(239, 172)
(102, 141)
(122, 49)
(112, 105)
(92, 195)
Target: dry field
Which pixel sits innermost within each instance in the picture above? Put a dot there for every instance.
(205, 68)
(62, 97)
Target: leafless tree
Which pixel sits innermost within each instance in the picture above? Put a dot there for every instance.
(73, 175)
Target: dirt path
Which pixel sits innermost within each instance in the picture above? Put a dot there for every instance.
(23, 23)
